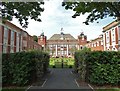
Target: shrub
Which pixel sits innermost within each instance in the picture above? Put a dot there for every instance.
(80, 64)
(24, 67)
(101, 67)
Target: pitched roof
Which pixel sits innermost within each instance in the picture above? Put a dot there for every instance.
(65, 36)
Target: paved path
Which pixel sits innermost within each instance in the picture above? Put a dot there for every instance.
(60, 79)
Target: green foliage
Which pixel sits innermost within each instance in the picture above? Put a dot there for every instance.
(101, 67)
(57, 62)
(96, 10)
(23, 11)
(22, 68)
(111, 89)
(13, 89)
(35, 38)
(80, 64)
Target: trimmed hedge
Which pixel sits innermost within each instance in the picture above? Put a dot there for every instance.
(80, 62)
(23, 68)
(99, 67)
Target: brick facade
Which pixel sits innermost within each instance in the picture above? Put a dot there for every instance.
(111, 34)
(62, 45)
(42, 40)
(82, 40)
(96, 44)
(110, 38)
(14, 39)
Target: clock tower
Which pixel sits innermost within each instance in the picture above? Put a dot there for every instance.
(42, 40)
(82, 40)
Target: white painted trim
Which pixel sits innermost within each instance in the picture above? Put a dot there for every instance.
(77, 83)
(56, 50)
(67, 49)
(11, 28)
(104, 41)
(44, 82)
(28, 88)
(91, 87)
(71, 72)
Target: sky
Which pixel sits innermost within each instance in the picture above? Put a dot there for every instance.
(56, 17)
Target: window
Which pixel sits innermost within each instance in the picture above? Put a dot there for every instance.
(12, 42)
(113, 35)
(101, 42)
(107, 37)
(5, 36)
(5, 41)
(12, 38)
(4, 49)
(119, 31)
(97, 43)
(17, 42)
(92, 45)
(113, 48)
(82, 37)
(81, 47)
(41, 39)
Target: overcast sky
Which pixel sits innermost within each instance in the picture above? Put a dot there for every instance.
(56, 17)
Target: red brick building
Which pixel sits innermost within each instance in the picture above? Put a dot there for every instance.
(109, 40)
(111, 36)
(14, 39)
(96, 44)
(82, 40)
(42, 40)
(62, 44)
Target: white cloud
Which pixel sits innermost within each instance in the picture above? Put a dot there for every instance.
(55, 17)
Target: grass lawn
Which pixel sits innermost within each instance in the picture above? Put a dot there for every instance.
(106, 88)
(112, 89)
(57, 62)
(14, 88)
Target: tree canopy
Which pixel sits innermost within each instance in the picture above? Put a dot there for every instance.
(96, 10)
(35, 38)
(22, 11)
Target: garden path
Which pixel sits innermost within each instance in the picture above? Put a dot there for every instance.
(61, 79)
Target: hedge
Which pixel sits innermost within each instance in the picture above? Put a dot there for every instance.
(23, 68)
(99, 67)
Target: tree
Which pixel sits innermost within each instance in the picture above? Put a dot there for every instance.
(35, 38)
(22, 11)
(95, 10)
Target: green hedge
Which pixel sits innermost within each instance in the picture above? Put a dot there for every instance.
(23, 68)
(99, 67)
(80, 62)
